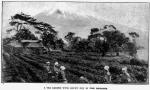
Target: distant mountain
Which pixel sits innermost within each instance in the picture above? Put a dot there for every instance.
(65, 22)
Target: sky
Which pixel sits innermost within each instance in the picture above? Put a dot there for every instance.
(129, 14)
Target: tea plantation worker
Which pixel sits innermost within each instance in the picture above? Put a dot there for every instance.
(125, 77)
(84, 80)
(61, 75)
(47, 66)
(56, 67)
(56, 70)
(107, 74)
(49, 71)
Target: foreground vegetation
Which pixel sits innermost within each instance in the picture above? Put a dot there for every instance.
(30, 67)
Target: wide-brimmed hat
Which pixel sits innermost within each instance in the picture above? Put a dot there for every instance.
(48, 62)
(62, 68)
(124, 69)
(81, 77)
(106, 67)
(56, 63)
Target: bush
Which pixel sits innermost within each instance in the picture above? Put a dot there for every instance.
(137, 62)
(125, 62)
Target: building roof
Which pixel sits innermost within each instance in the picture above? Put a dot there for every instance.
(32, 43)
(29, 41)
(35, 44)
(15, 44)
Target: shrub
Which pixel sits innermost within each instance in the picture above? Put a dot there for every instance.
(137, 62)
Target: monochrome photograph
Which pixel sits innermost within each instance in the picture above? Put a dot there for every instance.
(75, 42)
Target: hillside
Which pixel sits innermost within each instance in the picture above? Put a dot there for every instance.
(30, 68)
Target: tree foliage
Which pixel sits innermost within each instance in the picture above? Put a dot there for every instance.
(48, 40)
(60, 44)
(115, 39)
(132, 46)
(48, 34)
(134, 34)
(94, 30)
(24, 34)
(110, 39)
(69, 36)
(82, 45)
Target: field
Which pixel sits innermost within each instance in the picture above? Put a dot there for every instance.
(28, 68)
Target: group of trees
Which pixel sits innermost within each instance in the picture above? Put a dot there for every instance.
(107, 39)
(22, 22)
